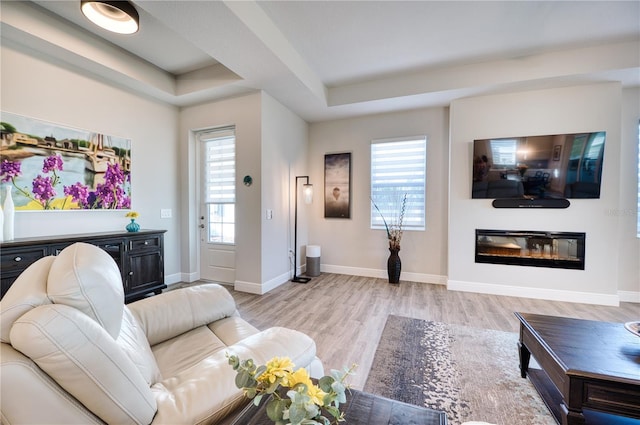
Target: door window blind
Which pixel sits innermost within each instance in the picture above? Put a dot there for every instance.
(219, 166)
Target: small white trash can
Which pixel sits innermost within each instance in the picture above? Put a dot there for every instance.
(313, 260)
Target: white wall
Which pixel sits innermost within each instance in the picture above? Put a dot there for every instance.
(245, 113)
(163, 173)
(33, 86)
(629, 243)
(270, 147)
(349, 245)
(284, 156)
(571, 109)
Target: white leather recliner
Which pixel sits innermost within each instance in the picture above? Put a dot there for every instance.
(72, 352)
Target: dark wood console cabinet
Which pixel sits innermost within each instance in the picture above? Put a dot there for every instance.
(139, 255)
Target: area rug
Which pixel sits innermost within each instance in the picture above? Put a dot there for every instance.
(471, 374)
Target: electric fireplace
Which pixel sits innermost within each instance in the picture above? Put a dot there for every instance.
(563, 250)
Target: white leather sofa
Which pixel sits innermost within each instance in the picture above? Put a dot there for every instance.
(74, 353)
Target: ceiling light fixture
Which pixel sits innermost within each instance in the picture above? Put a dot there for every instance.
(115, 16)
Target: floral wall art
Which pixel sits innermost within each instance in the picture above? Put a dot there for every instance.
(52, 167)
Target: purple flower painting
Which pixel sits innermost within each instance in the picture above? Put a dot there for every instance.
(59, 168)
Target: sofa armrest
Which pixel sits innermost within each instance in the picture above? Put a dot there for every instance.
(276, 341)
(77, 353)
(173, 313)
(315, 368)
(232, 329)
(27, 292)
(205, 393)
(30, 396)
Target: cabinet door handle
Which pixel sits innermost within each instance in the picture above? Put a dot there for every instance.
(17, 259)
(130, 273)
(146, 242)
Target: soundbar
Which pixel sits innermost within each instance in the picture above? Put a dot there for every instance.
(530, 203)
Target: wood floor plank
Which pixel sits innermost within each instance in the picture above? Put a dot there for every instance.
(345, 314)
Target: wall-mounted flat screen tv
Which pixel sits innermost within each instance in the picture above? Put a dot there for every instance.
(556, 166)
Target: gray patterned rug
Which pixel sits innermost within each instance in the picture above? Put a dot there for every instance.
(471, 374)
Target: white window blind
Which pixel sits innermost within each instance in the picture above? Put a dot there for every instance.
(504, 152)
(220, 165)
(399, 167)
(638, 214)
(219, 183)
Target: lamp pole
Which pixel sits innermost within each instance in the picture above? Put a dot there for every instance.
(308, 193)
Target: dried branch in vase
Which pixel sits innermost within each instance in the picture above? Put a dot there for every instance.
(394, 228)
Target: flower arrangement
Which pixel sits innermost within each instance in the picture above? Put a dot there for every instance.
(303, 402)
(395, 229)
(107, 195)
(132, 226)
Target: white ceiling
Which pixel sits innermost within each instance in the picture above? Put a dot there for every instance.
(332, 59)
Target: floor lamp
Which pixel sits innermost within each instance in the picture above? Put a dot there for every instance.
(308, 198)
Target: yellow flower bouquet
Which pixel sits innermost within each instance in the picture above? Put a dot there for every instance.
(132, 214)
(295, 398)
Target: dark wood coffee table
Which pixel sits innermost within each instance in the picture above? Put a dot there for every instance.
(360, 409)
(590, 370)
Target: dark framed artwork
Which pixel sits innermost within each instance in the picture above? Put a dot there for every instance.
(337, 185)
(557, 149)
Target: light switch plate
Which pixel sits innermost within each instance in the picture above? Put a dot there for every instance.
(165, 213)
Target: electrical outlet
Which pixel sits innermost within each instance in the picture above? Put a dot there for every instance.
(165, 213)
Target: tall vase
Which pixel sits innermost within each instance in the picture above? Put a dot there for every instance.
(394, 266)
(8, 214)
(1, 223)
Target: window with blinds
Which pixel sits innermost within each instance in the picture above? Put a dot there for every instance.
(504, 153)
(399, 168)
(219, 183)
(638, 216)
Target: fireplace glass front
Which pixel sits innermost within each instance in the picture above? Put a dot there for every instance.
(563, 250)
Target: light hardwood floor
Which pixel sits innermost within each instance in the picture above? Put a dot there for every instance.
(345, 315)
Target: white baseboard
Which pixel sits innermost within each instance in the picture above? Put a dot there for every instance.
(184, 277)
(249, 287)
(170, 279)
(482, 288)
(536, 293)
(260, 289)
(256, 288)
(275, 282)
(382, 274)
(629, 296)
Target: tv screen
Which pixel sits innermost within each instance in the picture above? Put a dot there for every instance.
(556, 166)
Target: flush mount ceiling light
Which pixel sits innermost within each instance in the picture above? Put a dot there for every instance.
(116, 16)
